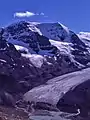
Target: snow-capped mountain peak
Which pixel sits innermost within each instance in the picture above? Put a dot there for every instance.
(35, 36)
(55, 31)
(49, 39)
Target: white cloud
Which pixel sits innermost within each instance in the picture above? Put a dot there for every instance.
(24, 14)
(42, 13)
(27, 14)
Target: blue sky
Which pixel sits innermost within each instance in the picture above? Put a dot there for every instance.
(73, 13)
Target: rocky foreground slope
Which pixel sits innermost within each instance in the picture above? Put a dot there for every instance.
(33, 55)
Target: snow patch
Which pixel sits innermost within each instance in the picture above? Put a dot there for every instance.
(21, 48)
(3, 60)
(36, 60)
(64, 47)
(85, 37)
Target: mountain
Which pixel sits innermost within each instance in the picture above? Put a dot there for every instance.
(47, 39)
(42, 51)
(34, 54)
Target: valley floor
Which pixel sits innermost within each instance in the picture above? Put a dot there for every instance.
(7, 113)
